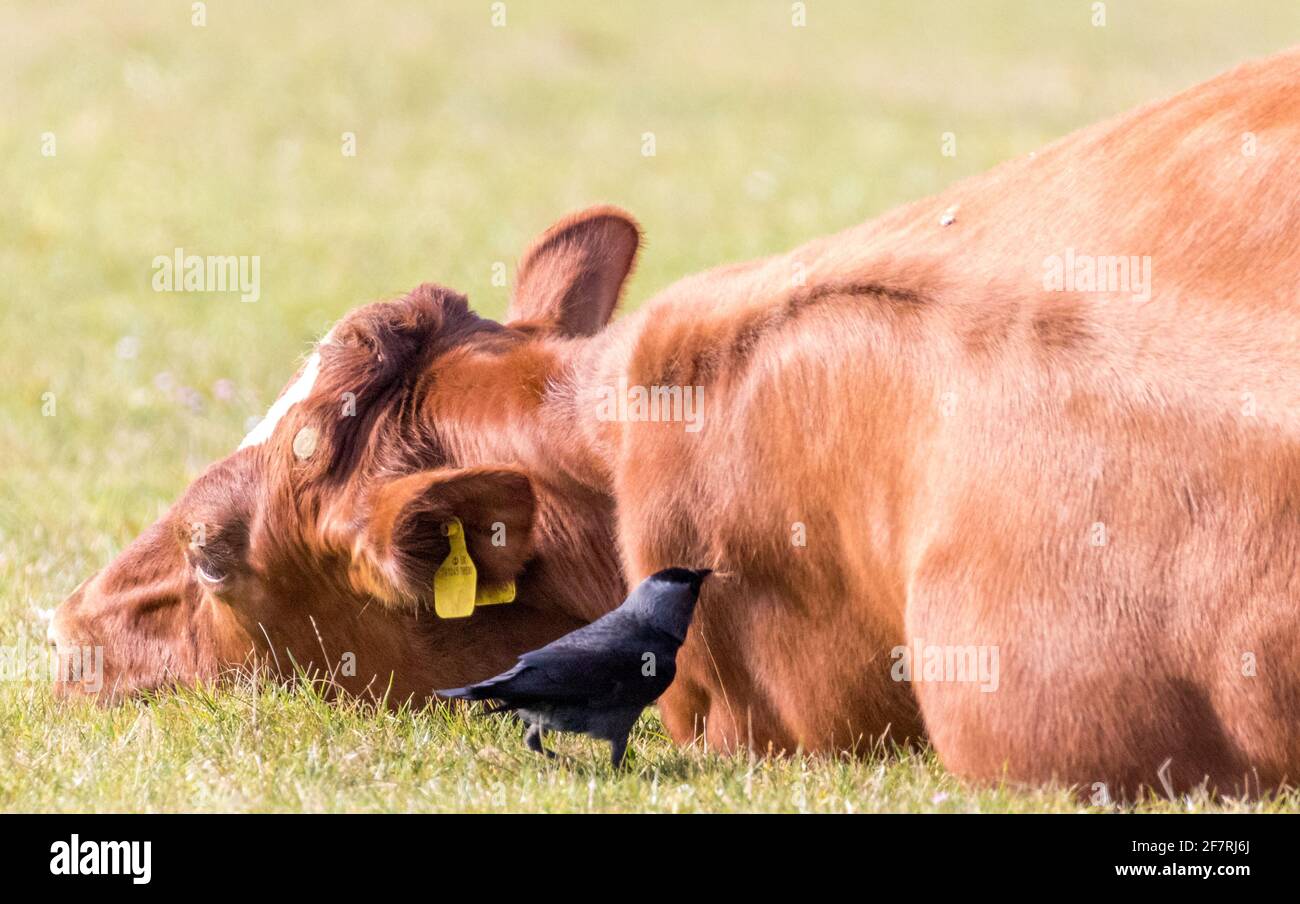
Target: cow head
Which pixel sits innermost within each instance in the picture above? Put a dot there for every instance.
(315, 544)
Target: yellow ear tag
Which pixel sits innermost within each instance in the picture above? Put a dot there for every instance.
(494, 596)
(455, 581)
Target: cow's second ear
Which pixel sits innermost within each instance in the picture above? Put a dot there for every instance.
(571, 278)
(403, 540)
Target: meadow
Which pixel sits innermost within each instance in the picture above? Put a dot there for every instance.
(131, 131)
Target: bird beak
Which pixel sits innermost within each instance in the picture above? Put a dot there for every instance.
(704, 572)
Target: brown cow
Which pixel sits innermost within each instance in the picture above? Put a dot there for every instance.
(1033, 444)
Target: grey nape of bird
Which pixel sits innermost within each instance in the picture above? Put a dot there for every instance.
(597, 680)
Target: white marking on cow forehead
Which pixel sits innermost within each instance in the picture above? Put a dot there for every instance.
(299, 390)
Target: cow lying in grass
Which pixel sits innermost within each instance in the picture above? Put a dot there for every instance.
(1015, 468)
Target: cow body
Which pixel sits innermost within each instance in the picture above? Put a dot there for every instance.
(952, 428)
(1103, 487)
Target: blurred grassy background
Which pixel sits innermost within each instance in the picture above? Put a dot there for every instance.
(226, 139)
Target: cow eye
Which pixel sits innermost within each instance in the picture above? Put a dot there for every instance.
(207, 574)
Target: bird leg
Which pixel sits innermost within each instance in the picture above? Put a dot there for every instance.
(533, 741)
(617, 749)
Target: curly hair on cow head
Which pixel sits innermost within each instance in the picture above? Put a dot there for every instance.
(362, 406)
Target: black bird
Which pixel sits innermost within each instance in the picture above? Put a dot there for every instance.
(597, 679)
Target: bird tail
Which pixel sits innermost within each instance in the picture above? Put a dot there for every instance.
(457, 693)
(492, 706)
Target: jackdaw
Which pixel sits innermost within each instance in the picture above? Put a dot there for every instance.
(597, 679)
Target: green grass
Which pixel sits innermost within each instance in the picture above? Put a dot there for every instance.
(263, 748)
(226, 140)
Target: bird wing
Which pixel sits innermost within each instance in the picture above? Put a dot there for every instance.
(482, 690)
(592, 665)
(599, 661)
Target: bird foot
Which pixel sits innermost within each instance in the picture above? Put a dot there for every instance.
(533, 741)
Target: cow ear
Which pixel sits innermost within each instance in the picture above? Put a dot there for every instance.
(572, 276)
(402, 542)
